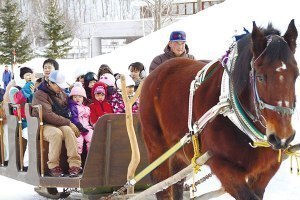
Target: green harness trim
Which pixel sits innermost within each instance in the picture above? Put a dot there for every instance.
(246, 120)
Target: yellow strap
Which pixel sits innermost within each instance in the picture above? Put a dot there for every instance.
(279, 156)
(261, 144)
(196, 153)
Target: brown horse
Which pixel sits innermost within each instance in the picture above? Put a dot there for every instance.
(267, 99)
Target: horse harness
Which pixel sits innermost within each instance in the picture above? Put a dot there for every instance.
(229, 104)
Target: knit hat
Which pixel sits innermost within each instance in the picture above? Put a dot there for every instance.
(108, 79)
(24, 70)
(78, 90)
(11, 94)
(129, 82)
(90, 76)
(178, 36)
(58, 77)
(99, 89)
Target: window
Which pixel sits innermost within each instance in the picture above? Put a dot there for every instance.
(190, 8)
(181, 9)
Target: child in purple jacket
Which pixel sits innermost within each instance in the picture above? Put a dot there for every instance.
(80, 116)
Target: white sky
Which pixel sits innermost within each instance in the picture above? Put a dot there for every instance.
(209, 34)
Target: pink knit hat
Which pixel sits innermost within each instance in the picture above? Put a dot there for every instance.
(99, 90)
(78, 90)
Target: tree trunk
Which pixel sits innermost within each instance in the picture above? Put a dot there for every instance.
(199, 5)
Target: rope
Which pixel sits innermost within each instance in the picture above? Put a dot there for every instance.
(292, 154)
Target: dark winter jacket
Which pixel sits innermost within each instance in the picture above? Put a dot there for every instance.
(42, 97)
(99, 108)
(168, 55)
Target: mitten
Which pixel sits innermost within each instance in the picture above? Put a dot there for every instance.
(28, 89)
(75, 129)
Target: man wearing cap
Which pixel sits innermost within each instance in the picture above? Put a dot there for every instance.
(175, 48)
(58, 127)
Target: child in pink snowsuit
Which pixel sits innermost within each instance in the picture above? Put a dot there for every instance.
(80, 116)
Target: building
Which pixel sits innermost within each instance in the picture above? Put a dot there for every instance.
(102, 37)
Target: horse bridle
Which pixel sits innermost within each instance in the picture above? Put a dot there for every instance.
(259, 104)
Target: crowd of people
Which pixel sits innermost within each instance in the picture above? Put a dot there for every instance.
(70, 112)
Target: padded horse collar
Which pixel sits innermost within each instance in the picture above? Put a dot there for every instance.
(237, 114)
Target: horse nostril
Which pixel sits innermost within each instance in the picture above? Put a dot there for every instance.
(274, 140)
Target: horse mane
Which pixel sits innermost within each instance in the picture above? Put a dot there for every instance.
(277, 49)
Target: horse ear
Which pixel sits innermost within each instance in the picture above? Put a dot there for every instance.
(259, 41)
(291, 36)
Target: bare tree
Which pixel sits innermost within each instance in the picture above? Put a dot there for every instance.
(160, 12)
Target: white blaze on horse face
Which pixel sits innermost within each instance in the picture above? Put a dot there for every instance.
(279, 103)
(281, 78)
(281, 68)
(286, 103)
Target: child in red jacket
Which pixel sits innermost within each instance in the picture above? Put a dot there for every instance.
(100, 106)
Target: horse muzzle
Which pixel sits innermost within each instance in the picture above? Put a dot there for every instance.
(278, 143)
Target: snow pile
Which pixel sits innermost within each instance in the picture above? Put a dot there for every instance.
(209, 34)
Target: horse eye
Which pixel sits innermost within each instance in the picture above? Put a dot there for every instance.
(260, 78)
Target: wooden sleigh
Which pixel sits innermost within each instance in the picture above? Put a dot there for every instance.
(105, 165)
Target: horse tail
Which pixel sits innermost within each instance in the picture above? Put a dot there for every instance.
(149, 114)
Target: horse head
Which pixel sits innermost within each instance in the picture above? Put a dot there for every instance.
(273, 75)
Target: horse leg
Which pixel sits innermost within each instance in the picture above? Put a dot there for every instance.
(158, 175)
(232, 178)
(177, 165)
(156, 146)
(260, 183)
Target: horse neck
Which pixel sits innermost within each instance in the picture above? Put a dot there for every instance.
(246, 99)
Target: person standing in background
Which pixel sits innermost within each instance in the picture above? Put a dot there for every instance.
(176, 47)
(6, 77)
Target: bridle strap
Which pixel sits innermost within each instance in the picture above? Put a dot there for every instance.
(258, 103)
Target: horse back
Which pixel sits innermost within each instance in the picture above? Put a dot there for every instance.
(165, 97)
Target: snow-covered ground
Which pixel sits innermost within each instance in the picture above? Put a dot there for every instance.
(209, 33)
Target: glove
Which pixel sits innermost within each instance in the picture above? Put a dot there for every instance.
(28, 89)
(81, 128)
(75, 129)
